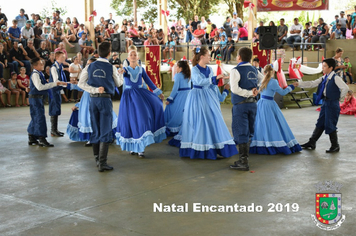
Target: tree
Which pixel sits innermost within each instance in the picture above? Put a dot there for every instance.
(126, 8)
(47, 11)
(235, 6)
(187, 9)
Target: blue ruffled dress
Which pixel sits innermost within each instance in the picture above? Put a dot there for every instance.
(173, 114)
(141, 117)
(272, 133)
(203, 134)
(79, 127)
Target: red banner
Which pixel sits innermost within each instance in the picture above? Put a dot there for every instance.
(263, 55)
(153, 64)
(292, 5)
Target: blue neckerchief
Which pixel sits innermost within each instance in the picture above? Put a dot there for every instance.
(321, 90)
(243, 62)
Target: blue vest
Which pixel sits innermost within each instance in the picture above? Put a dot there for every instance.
(61, 76)
(100, 74)
(248, 81)
(33, 89)
(332, 90)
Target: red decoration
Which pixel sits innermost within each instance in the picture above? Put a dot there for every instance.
(94, 13)
(247, 3)
(292, 5)
(166, 13)
(90, 18)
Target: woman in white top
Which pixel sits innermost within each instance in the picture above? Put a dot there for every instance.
(75, 69)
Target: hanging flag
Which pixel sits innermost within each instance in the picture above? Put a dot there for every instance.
(153, 64)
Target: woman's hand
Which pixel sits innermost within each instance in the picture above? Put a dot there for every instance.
(167, 103)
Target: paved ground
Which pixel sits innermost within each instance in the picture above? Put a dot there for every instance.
(58, 191)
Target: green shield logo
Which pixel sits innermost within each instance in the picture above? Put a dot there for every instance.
(328, 207)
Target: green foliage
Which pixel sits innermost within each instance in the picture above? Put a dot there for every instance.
(47, 11)
(187, 9)
(125, 9)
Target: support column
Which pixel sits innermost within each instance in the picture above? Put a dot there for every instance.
(252, 21)
(162, 5)
(89, 25)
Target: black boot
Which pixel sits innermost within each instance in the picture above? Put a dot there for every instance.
(103, 156)
(242, 163)
(96, 152)
(312, 141)
(42, 142)
(32, 140)
(54, 125)
(334, 143)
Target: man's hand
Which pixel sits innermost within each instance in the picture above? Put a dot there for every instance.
(227, 86)
(60, 83)
(120, 71)
(101, 90)
(255, 92)
(161, 96)
(295, 84)
(21, 63)
(167, 103)
(221, 76)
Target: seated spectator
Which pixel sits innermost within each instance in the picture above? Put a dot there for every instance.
(15, 33)
(61, 48)
(347, 70)
(47, 22)
(6, 38)
(223, 42)
(271, 23)
(52, 40)
(141, 33)
(47, 72)
(256, 63)
(43, 51)
(229, 49)
(4, 62)
(337, 33)
(23, 82)
(80, 30)
(208, 29)
(213, 33)
(306, 36)
(222, 33)
(235, 31)
(215, 48)
(188, 29)
(242, 33)
(180, 31)
(199, 34)
(256, 33)
(282, 33)
(134, 35)
(115, 60)
(322, 33)
(127, 36)
(108, 32)
(333, 24)
(227, 26)
(148, 42)
(71, 34)
(17, 55)
(31, 50)
(75, 69)
(160, 37)
(174, 35)
(170, 46)
(50, 60)
(46, 36)
(75, 24)
(236, 19)
(60, 36)
(6, 91)
(154, 37)
(37, 30)
(3, 19)
(86, 46)
(27, 33)
(14, 88)
(99, 38)
(294, 36)
(349, 33)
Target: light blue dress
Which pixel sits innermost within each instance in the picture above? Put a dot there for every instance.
(141, 117)
(173, 115)
(79, 127)
(220, 96)
(272, 133)
(203, 134)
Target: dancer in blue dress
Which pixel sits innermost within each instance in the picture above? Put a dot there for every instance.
(173, 115)
(203, 134)
(141, 117)
(272, 133)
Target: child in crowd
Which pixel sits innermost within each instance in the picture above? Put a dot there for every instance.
(173, 114)
(169, 47)
(74, 70)
(306, 36)
(272, 133)
(256, 63)
(23, 82)
(203, 134)
(229, 49)
(141, 115)
(244, 79)
(215, 49)
(7, 92)
(347, 70)
(337, 33)
(348, 107)
(223, 42)
(235, 31)
(46, 36)
(332, 88)
(53, 41)
(14, 88)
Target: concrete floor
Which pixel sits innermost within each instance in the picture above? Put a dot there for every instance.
(58, 191)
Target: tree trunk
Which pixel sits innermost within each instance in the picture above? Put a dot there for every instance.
(238, 7)
(134, 6)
